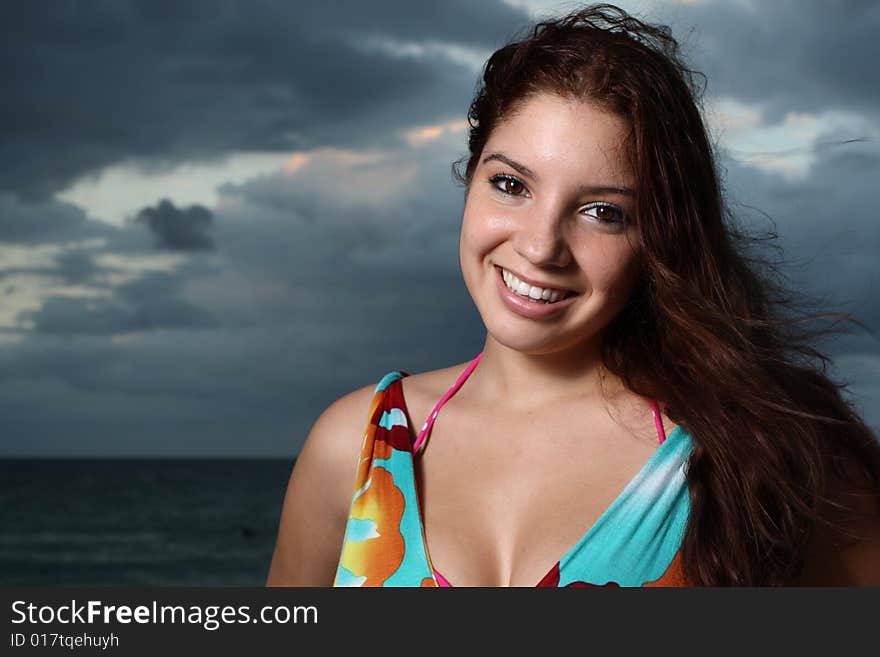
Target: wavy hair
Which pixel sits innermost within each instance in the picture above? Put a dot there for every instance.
(712, 330)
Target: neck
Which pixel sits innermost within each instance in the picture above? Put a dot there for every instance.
(510, 378)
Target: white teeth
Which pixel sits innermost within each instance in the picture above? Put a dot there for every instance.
(533, 292)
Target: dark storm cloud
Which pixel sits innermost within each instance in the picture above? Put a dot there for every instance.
(320, 283)
(792, 55)
(77, 267)
(827, 225)
(46, 222)
(330, 227)
(74, 316)
(72, 244)
(179, 229)
(148, 303)
(89, 84)
(313, 294)
(70, 267)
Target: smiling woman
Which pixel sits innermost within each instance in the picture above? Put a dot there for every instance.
(645, 410)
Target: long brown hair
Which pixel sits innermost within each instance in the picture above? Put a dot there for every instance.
(712, 330)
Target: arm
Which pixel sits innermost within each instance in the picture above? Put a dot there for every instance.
(315, 509)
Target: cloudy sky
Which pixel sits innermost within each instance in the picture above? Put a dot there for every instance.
(218, 217)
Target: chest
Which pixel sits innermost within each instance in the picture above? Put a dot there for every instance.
(492, 521)
(504, 496)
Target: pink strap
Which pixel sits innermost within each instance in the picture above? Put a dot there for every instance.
(661, 432)
(426, 429)
(442, 582)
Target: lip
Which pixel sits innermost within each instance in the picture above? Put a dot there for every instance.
(530, 309)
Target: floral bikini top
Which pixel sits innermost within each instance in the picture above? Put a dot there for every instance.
(635, 542)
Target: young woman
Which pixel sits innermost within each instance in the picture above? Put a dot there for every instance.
(645, 410)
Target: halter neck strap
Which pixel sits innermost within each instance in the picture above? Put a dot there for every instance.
(426, 428)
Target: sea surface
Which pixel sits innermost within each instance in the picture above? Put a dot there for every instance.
(138, 522)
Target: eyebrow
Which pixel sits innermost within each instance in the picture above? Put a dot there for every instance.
(582, 189)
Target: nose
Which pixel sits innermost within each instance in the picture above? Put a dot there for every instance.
(540, 238)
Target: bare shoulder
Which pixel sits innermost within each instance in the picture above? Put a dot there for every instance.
(423, 390)
(315, 508)
(846, 550)
(337, 432)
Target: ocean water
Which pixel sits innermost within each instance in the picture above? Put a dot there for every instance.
(139, 522)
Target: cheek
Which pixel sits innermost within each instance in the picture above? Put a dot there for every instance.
(480, 231)
(611, 268)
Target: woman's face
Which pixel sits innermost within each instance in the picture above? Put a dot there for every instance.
(550, 202)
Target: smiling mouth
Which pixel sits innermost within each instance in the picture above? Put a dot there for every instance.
(533, 293)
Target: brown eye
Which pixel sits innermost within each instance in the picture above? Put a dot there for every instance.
(507, 185)
(605, 213)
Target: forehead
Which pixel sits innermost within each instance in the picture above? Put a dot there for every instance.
(563, 137)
